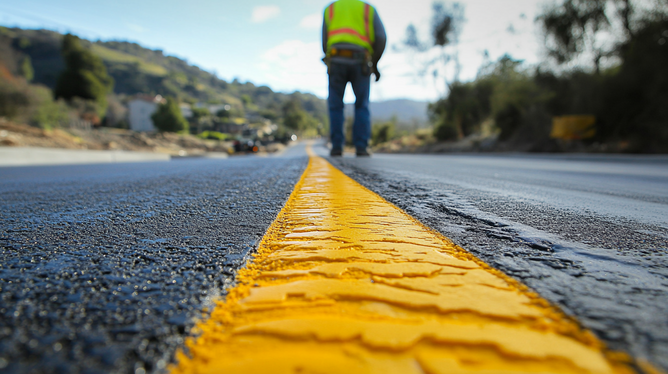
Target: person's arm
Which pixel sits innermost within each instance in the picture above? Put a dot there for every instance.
(324, 32)
(381, 38)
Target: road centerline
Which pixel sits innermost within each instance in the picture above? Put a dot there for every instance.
(345, 281)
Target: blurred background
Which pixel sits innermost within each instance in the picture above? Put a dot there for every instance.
(238, 77)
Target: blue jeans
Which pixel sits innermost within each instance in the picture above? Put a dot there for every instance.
(339, 76)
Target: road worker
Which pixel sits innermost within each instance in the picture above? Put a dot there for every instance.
(353, 39)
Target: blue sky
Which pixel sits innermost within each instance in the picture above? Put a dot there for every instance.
(277, 42)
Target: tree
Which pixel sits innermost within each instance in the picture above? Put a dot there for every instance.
(200, 119)
(446, 26)
(27, 70)
(572, 29)
(462, 112)
(269, 114)
(296, 118)
(383, 132)
(503, 91)
(168, 117)
(85, 75)
(224, 113)
(635, 98)
(588, 27)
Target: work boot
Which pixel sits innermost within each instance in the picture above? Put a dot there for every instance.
(336, 152)
(363, 152)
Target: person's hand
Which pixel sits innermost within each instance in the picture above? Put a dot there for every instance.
(376, 73)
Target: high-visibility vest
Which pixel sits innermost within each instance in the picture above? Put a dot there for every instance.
(350, 21)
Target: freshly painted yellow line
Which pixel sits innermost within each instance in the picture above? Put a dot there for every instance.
(344, 282)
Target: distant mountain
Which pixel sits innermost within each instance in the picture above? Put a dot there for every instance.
(139, 70)
(406, 111)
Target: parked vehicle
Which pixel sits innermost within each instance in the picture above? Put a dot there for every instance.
(246, 145)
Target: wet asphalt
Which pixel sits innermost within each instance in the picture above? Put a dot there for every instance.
(105, 268)
(587, 232)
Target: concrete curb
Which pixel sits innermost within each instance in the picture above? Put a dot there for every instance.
(24, 156)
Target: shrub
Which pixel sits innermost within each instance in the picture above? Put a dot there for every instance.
(168, 117)
(213, 135)
(31, 104)
(446, 132)
(383, 132)
(46, 112)
(14, 98)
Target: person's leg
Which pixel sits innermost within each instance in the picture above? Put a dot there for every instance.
(362, 125)
(337, 88)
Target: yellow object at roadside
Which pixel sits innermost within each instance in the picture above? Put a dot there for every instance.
(344, 282)
(573, 127)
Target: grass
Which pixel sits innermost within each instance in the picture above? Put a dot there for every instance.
(108, 54)
(215, 135)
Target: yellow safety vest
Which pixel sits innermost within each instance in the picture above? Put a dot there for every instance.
(350, 21)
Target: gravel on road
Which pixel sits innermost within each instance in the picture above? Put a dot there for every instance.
(104, 268)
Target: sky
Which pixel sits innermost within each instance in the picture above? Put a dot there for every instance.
(277, 43)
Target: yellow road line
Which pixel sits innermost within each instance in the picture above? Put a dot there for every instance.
(344, 282)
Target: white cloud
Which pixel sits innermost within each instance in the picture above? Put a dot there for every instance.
(262, 13)
(312, 21)
(400, 80)
(294, 65)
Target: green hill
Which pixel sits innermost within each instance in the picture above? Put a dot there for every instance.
(136, 69)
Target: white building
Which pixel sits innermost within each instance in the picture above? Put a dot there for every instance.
(186, 110)
(140, 110)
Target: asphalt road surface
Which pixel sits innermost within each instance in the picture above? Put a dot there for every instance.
(104, 267)
(589, 233)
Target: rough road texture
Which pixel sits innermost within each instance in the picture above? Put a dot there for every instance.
(609, 271)
(103, 268)
(344, 282)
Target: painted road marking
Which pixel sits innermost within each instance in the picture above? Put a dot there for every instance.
(345, 282)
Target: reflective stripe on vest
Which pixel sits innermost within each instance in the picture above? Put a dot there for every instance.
(350, 21)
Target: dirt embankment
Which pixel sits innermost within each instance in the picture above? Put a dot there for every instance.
(20, 135)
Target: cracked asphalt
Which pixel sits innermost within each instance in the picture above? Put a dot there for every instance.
(104, 268)
(589, 233)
